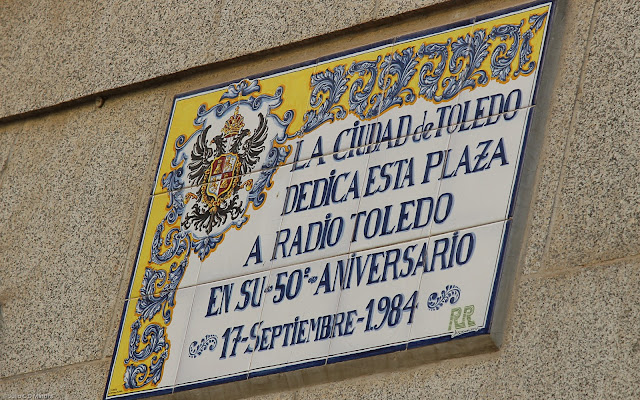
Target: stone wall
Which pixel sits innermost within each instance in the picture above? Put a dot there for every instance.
(86, 91)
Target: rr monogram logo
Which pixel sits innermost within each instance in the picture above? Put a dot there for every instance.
(458, 314)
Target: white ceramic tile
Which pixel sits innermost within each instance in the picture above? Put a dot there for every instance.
(493, 151)
(219, 341)
(248, 249)
(422, 115)
(299, 314)
(166, 339)
(400, 191)
(509, 88)
(462, 274)
(172, 242)
(499, 97)
(332, 137)
(176, 332)
(378, 298)
(306, 214)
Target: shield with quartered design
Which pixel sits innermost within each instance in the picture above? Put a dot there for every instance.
(225, 175)
(218, 165)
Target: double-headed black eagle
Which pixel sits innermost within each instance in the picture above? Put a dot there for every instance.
(244, 145)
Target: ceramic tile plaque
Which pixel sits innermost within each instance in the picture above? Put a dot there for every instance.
(349, 206)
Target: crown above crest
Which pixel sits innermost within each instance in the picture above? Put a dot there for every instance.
(233, 124)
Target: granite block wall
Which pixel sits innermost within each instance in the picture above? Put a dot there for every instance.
(85, 93)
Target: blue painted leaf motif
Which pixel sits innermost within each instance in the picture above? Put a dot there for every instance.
(136, 376)
(150, 303)
(206, 245)
(173, 182)
(403, 66)
(154, 335)
(429, 77)
(525, 55)
(154, 338)
(334, 84)
(177, 240)
(451, 294)
(131, 373)
(536, 22)
(176, 205)
(243, 88)
(147, 307)
(474, 48)
(157, 362)
(359, 93)
(501, 58)
(196, 349)
(152, 278)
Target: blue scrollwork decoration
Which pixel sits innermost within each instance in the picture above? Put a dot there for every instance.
(275, 157)
(501, 57)
(207, 342)
(243, 88)
(177, 239)
(206, 245)
(153, 337)
(525, 65)
(328, 87)
(139, 375)
(255, 102)
(467, 54)
(360, 92)
(451, 294)
(429, 75)
(448, 68)
(153, 301)
(402, 65)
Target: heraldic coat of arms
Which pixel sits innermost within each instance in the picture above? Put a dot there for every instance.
(220, 169)
(217, 168)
